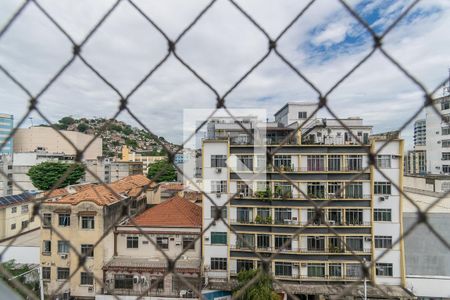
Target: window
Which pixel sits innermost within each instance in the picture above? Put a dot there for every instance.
(354, 243)
(188, 242)
(354, 190)
(214, 211)
(24, 224)
(334, 162)
(316, 190)
(47, 220)
(245, 241)
(63, 247)
(14, 209)
(282, 215)
(316, 243)
(283, 242)
(354, 162)
(218, 161)
(244, 189)
(123, 281)
(445, 155)
(282, 162)
(87, 222)
(316, 162)
(283, 189)
(162, 242)
(218, 238)
(86, 278)
(302, 115)
(264, 215)
(218, 187)
(335, 270)
(354, 216)
(384, 161)
(63, 273)
(24, 209)
(218, 263)
(46, 273)
(64, 219)
(446, 168)
(47, 246)
(316, 270)
(283, 269)
(382, 214)
(382, 188)
(353, 270)
(263, 241)
(87, 250)
(244, 214)
(335, 244)
(335, 190)
(335, 216)
(445, 104)
(245, 162)
(445, 130)
(132, 242)
(315, 218)
(445, 143)
(383, 269)
(382, 241)
(244, 265)
(13, 226)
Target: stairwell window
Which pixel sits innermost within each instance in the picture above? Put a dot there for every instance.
(218, 263)
(218, 161)
(384, 161)
(384, 269)
(382, 188)
(219, 238)
(214, 212)
(218, 187)
(382, 241)
(382, 214)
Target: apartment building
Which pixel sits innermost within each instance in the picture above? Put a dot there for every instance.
(138, 266)
(84, 216)
(268, 209)
(46, 138)
(420, 133)
(146, 160)
(438, 137)
(6, 126)
(16, 215)
(109, 171)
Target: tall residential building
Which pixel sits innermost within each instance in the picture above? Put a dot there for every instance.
(46, 138)
(84, 215)
(420, 133)
(320, 162)
(438, 137)
(109, 171)
(6, 126)
(146, 160)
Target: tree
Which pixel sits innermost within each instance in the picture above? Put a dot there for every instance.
(168, 172)
(30, 281)
(261, 289)
(45, 175)
(82, 127)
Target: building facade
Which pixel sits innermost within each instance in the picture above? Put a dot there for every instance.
(420, 133)
(84, 216)
(267, 210)
(6, 127)
(169, 229)
(146, 160)
(109, 171)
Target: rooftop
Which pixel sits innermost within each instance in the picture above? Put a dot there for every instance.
(120, 262)
(16, 199)
(175, 212)
(130, 186)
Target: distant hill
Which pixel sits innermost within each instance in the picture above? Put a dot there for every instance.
(117, 134)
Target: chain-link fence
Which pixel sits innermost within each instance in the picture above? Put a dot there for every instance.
(323, 104)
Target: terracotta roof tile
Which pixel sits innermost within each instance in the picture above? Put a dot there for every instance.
(130, 186)
(175, 212)
(172, 186)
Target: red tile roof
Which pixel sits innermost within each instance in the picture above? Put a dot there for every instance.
(130, 186)
(175, 186)
(175, 212)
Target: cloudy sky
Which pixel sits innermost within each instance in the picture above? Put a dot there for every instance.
(324, 44)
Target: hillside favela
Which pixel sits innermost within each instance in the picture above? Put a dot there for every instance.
(219, 150)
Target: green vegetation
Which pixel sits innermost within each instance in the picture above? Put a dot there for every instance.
(82, 127)
(168, 172)
(15, 269)
(45, 175)
(262, 289)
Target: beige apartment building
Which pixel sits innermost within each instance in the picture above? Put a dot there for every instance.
(32, 138)
(83, 215)
(15, 215)
(138, 266)
(146, 160)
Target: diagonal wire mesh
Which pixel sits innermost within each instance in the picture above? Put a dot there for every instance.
(323, 104)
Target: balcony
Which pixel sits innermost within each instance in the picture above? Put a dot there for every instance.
(268, 195)
(318, 278)
(270, 221)
(296, 250)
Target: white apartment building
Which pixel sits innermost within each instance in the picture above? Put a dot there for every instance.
(268, 210)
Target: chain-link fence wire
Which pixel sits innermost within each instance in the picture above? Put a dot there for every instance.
(220, 101)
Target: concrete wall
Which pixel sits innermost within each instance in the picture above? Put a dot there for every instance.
(28, 139)
(8, 218)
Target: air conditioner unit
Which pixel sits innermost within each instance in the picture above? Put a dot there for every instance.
(241, 195)
(218, 195)
(90, 289)
(218, 170)
(206, 238)
(135, 279)
(63, 256)
(368, 238)
(383, 198)
(394, 156)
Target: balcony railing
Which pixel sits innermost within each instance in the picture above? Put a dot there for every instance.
(296, 250)
(294, 169)
(270, 221)
(272, 195)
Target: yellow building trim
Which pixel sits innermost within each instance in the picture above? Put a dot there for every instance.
(402, 242)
